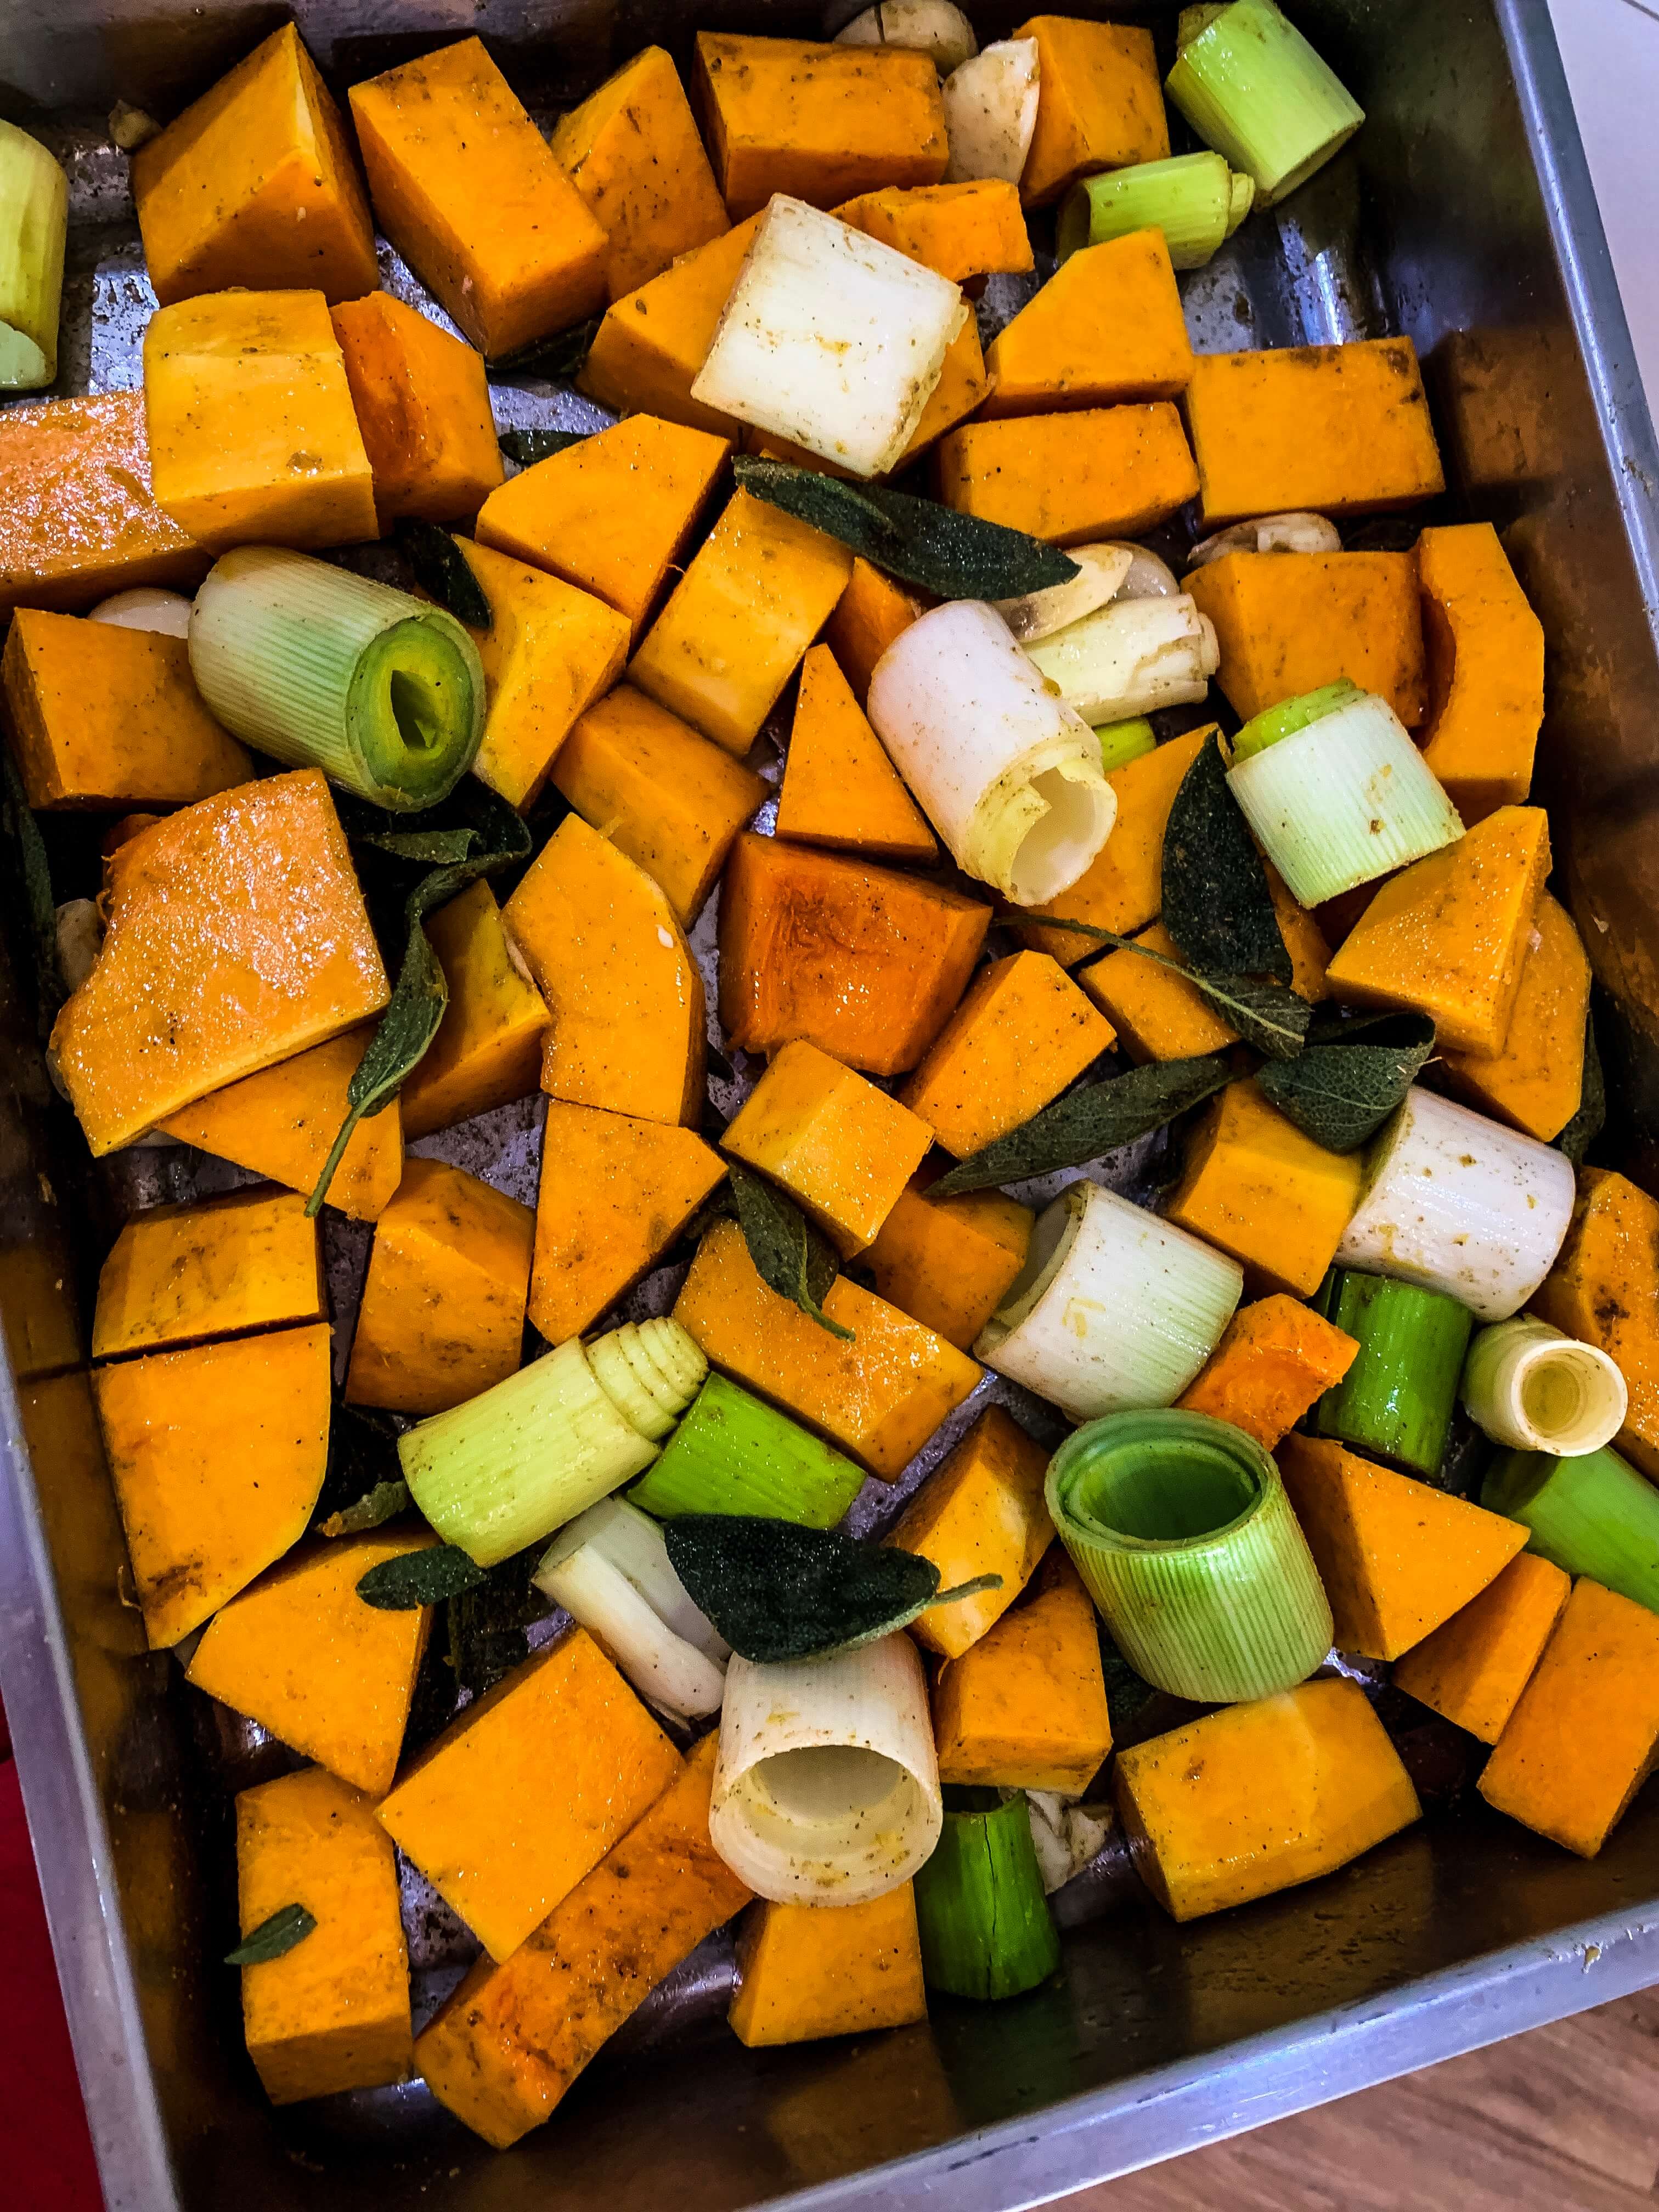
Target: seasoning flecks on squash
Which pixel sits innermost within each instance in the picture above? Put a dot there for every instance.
(1099, 472)
(422, 403)
(1106, 327)
(981, 1512)
(1156, 1015)
(1472, 1668)
(869, 614)
(806, 1971)
(1022, 1033)
(1100, 104)
(487, 1050)
(647, 352)
(840, 789)
(176, 1274)
(1025, 1707)
(1256, 1187)
(1290, 622)
(1604, 1290)
(1485, 665)
(1274, 1359)
(949, 1263)
(961, 231)
(1536, 1082)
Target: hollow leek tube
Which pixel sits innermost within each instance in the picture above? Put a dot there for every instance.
(1295, 533)
(1181, 1529)
(1114, 1309)
(610, 1569)
(323, 669)
(1195, 199)
(1131, 657)
(1593, 1515)
(1528, 1386)
(826, 1786)
(1397, 1398)
(1460, 1204)
(34, 231)
(984, 1921)
(734, 1454)
(511, 1466)
(1009, 776)
(1252, 88)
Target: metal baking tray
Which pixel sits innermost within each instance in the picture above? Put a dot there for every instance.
(1462, 214)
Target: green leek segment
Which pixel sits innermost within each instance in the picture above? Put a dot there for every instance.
(984, 1922)
(1592, 1516)
(1291, 715)
(1122, 742)
(733, 1454)
(1195, 199)
(1253, 89)
(1397, 1399)
(34, 228)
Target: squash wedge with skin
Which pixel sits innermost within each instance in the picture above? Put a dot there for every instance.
(1485, 658)
(1604, 1289)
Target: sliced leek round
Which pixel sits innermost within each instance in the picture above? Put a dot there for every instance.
(1528, 1386)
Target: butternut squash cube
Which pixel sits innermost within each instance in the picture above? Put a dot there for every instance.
(253, 434)
(1604, 1289)
(422, 403)
(756, 594)
(961, 231)
(1106, 327)
(1100, 472)
(1485, 652)
(1018, 1037)
(879, 1395)
(609, 956)
(1290, 622)
(1303, 939)
(1343, 429)
(217, 1455)
(819, 123)
(1156, 1015)
(840, 789)
(1584, 1734)
(869, 614)
(949, 1263)
(305, 1656)
(1397, 1556)
(612, 514)
(650, 345)
(1256, 1186)
(1472, 1668)
(529, 1788)
(1025, 1708)
(863, 962)
(1260, 1797)
(255, 185)
(488, 1046)
(841, 1147)
(1100, 105)
(332, 2014)
(981, 1512)
(503, 2050)
(178, 1273)
(807, 1971)
(632, 151)
(1448, 936)
(443, 1306)
(964, 382)
(237, 936)
(104, 716)
(1536, 1082)
(466, 189)
(1275, 1358)
(667, 797)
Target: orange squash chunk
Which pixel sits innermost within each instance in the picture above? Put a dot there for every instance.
(960, 231)
(488, 1050)
(650, 345)
(879, 1395)
(1255, 1186)
(840, 789)
(1100, 472)
(422, 403)
(1604, 1290)
(237, 935)
(949, 1263)
(981, 1512)
(1486, 650)
(1020, 1036)
(1025, 1707)
(1275, 1358)
(1106, 327)
(178, 1273)
(804, 1971)
(1290, 622)
(863, 962)
(1101, 105)
(1156, 1014)
(1472, 1668)
(1536, 1082)
(869, 614)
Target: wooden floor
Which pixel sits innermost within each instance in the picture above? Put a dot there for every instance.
(1565, 2119)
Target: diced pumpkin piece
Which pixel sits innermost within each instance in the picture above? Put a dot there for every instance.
(1255, 1186)
(879, 1395)
(255, 185)
(632, 151)
(253, 434)
(1256, 1798)
(1157, 1014)
(1100, 104)
(217, 1455)
(949, 1263)
(503, 2050)
(650, 345)
(841, 1146)
(981, 1513)
(105, 716)
(1604, 1290)
(237, 935)
(282, 1122)
(466, 189)
(305, 1656)
(1290, 622)
(869, 614)
(1342, 429)
(819, 123)
(1584, 1734)
(1472, 1668)
(488, 1046)
(1018, 1037)
(332, 2014)
(1025, 1708)
(612, 514)
(443, 1306)
(863, 962)
(1100, 472)
(1485, 666)
(755, 595)
(964, 382)
(178, 1273)
(962, 231)
(1305, 940)
(840, 789)
(661, 793)
(1536, 1082)
(611, 959)
(1275, 1358)
(529, 1788)
(1448, 936)
(807, 1971)
(422, 403)
(1396, 1556)
(1106, 327)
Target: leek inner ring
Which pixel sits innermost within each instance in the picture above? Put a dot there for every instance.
(1161, 1481)
(414, 706)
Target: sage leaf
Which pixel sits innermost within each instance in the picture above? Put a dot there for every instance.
(954, 556)
(1095, 1118)
(489, 1618)
(372, 1510)
(32, 873)
(1349, 1077)
(1217, 905)
(1267, 1015)
(790, 1256)
(441, 568)
(556, 359)
(1586, 1125)
(526, 447)
(273, 1938)
(416, 1578)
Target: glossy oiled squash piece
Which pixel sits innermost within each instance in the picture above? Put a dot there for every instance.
(1019, 1037)
(869, 614)
(237, 936)
(488, 1046)
(949, 1263)
(840, 789)
(1101, 472)
(1604, 1289)
(1472, 1668)
(651, 344)
(961, 231)
(1256, 1187)
(981, 1513)
(1486, 650)
(1157, 1014)
(806, 1971)
(178, 1273)
(1106, 327)
(1275, 1358)
(1290, 622)
(422, 404)
(1100, 105)
(1025, 1708)
(1536, 1082)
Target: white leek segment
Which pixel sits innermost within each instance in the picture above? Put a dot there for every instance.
(1066, 1834)
(1007, 774)
(610, 1571)
(1269, 533)
(146, 607)
(1101, 572)
(1527, 1385)
(826, 1787)
(1195, 199)
(508, 1467)
(991, 112)
(34, 229)
(1114, 1309)
(1460, 1204)
(1132, 658)
(1344, 801)
(831, 339)
(1252, 88)
(930, 27)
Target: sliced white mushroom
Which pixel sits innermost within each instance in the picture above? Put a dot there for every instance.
(930, 27)
(1102, 571)
(1268, 533)
(146, 607)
